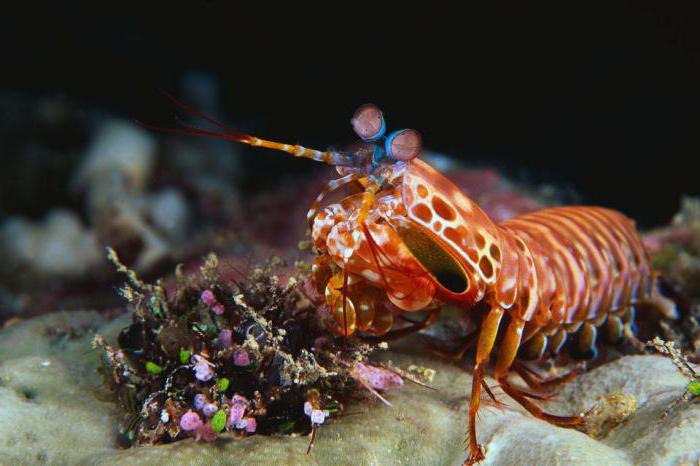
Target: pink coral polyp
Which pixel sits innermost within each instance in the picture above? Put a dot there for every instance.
(199, 401)
(208, 298)
(235, 415)
(190, 421)
(251, 424)
(203, 369)
(209, 409)
(226, 338)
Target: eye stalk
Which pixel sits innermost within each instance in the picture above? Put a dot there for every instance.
(404, 145)
(368, 122)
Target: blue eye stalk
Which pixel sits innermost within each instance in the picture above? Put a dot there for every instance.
(404, 145)
(369, 124)
(380, 133)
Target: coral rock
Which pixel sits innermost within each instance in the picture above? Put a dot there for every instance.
(47, 402)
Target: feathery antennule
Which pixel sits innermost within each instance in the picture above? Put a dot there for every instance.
(329, 157)
(241, 136)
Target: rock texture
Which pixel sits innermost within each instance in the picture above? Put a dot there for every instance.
(50, 414)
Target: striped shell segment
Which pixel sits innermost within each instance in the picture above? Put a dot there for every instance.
(589, 261)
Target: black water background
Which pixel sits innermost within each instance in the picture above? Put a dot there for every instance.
(603, 99)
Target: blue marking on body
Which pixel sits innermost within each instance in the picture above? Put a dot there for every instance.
(389, 140)
(380, 133)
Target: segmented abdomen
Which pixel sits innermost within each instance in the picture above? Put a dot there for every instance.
(574, 264)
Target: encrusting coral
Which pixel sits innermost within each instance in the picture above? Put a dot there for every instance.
(244, 356)
(670, 349)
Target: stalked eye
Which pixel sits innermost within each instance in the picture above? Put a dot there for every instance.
(404, 145)
(368, 122)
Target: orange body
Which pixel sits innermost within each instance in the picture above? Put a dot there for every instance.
(432, 243)
(412, 240)
(542, 276)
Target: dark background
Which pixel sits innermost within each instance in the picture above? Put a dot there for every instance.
(601, 99)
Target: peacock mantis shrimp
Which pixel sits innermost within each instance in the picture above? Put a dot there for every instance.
(410, 241)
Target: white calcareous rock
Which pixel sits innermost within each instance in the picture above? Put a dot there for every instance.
(58, 245)
(50, 414)
(114, 176)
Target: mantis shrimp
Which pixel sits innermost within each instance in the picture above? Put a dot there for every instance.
(410, 241)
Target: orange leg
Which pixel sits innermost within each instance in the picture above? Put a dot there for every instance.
(506, 355)
(414, 327)
(487, 337)
(537, 383)
(509, 348)
(521, 397)
(488, 391)
(457, 353)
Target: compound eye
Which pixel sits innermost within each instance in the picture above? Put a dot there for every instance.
(404, 145)
(368, 122)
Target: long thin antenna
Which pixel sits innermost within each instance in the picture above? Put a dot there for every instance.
(329, 157)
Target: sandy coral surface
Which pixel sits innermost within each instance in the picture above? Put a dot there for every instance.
(48, 388)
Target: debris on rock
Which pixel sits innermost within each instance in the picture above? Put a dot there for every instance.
(608, 413)
(692, 390)
(217, 356)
